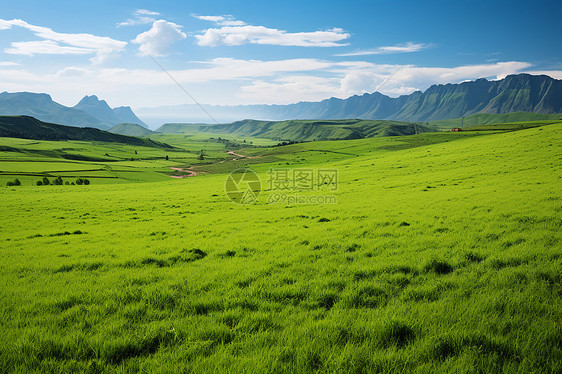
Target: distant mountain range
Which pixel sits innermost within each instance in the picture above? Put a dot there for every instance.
(515, 93)
(89, 112)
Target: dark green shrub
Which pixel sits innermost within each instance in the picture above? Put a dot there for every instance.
(17, 182)
(39, 183)
(438, 267)
(86, 181)
(9, 183)
(79, 181)
(46, 181)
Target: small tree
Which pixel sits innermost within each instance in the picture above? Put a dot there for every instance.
(167, 158)
(79, 181)
(67, 183)
(58, 181)
(39, 183)
(46, 181)
(17, 182)
(86, 182)
(9, 183)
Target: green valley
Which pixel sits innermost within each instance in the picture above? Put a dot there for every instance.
(440, 252)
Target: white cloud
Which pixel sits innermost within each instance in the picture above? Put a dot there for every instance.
(233, 33)
(235, 81)
(140, 17)
(290, 89)
(398, 48)
(145, 12)
(9, 63)
(226, 20)
(79, 43)
(45, 47)
(157, 40)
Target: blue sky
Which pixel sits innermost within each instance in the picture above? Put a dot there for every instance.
(254, 52)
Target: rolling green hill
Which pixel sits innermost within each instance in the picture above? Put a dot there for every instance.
(306, 130)
(485, 119)
(180, 128)
(130, 129)
(30, 128)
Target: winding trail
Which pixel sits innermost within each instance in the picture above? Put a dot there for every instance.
(238, 155)
(190, 173)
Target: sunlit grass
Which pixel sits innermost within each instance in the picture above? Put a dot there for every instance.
(443, 253)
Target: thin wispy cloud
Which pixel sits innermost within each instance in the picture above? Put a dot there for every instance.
(140, 17)
(235, 33)
(57, 43)
(9, 63)
(408, 47)
(226, 20)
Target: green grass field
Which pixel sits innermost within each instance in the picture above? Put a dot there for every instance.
(443, 253)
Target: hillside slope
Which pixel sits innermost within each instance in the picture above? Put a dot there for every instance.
(305, 130)
(31, 128)
(130, 129)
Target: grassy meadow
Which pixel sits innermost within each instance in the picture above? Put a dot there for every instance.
(443, 253)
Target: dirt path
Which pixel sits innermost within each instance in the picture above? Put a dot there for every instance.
(238, 155)
(190, 173)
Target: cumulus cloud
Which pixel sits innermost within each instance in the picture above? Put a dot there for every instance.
(234, 32)
(140, 17)
(391, 49)
(157, 40)
(62, 43)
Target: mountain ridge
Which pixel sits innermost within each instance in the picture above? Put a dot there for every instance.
(514, 93)
(89, 112)
(100, 109)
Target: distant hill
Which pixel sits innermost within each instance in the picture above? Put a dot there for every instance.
(486, 119)
(101, 110)
(130, 129)
(31, 128)
(42, 107)
(180, 128)
(514, 93)
(305, 130)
